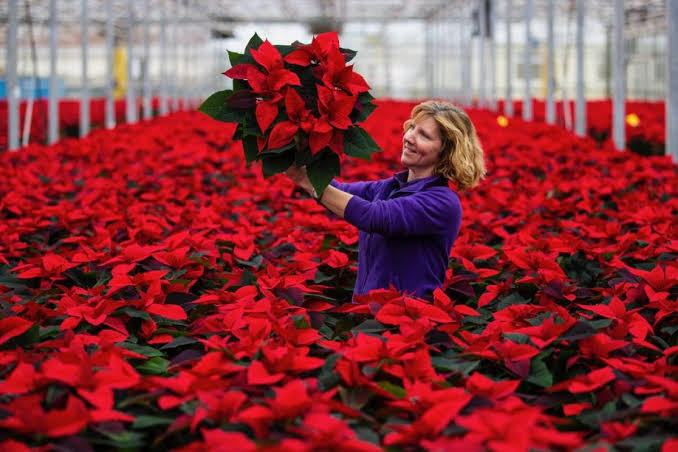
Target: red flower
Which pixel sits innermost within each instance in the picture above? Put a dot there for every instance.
(274, 75)
(316, 52)
(298, 118)
(335, 74)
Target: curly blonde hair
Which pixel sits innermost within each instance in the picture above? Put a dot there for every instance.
(461, 160)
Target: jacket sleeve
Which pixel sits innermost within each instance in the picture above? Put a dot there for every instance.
(424, 213)
(365, 190)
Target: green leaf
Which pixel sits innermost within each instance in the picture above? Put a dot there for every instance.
(302, 157)
(396, 390)
(365, 100)
(125, 440)
(49, 332)
(285, 49)
(28, 337)
(370, 326)
(300, 322)
(322, 169)
(646, 443)
(539, 373)
(249, 144)
(348, 53)
(241, 84)
(321, 277)
(215, 105)
(278, 163)
(518, 338)
(460, 365)
(275, 152)
(234, 57)
(134, 313)
(254, 43)
(151, 421)
(359, 143)
(142, 349)
(328, 378)
(179, 342)
(154, 366)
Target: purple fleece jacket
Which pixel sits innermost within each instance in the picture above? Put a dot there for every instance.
(406, 232)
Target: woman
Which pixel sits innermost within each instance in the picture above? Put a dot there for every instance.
(409, 222)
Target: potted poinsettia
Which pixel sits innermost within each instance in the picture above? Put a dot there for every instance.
(296, 104)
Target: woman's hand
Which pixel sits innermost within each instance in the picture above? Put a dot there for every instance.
(300, 177)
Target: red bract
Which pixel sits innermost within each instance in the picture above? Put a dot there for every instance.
(335, 74)
(299, 118)
(274, 75)
(321, 45)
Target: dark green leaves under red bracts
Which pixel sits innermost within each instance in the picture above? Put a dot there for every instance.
(156, 294)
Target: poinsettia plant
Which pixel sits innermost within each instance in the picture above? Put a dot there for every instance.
(296, 104)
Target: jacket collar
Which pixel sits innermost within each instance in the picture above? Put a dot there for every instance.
(416, 185)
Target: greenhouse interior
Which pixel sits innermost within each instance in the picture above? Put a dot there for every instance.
(339, 225)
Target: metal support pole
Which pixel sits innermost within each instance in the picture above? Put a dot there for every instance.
(131, 112)
(438, 59)
(148, 110)
(468, 90)
(429, 58)
(84, 91)
(175, 58)
(527, 63)
(482, 17)
(461, 53)
(110, 109)
(182, 48)
(53, 120)
(580, 120)
(493, 58)
(619, 76)
(508, 103)
(672, 98)
(164, 108)
(12, 88)
(550, 80)
(388, 60)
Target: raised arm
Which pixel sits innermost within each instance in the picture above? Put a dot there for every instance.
(431, 212)
(365, 190)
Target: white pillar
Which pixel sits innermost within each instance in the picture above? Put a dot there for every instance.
(482, 18)
(619, 77)
(550, 80)
(146, 87)
(527, 63)
(469, 91)
(131, 101)
(174, 86)
(580, 120)
(53, 118)
(110, 109)
(84, 84)
(672, 98)
(164, 107)
(508, 103)
(429, 57)
(12, 85)
(493, 58)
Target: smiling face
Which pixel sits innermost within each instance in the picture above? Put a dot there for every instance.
(422, 145)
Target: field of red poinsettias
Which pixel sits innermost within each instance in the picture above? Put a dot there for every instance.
(158, 294)
(644, 127)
